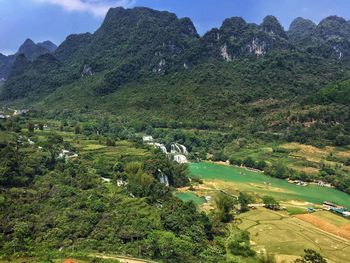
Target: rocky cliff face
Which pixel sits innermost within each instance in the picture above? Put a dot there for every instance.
(330, 38)
(301, 31)
(132, 44)
(236, 39)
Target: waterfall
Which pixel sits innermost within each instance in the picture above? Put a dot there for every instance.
(184, 149)
(180, 158)
(163, 148)
(163, 179)
(178, 148)
(160, 146)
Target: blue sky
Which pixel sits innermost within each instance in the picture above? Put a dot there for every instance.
(55, 19)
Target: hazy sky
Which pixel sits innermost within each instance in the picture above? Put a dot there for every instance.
(55, 19)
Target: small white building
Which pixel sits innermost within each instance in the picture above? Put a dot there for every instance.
(147, 138)
(106, 180)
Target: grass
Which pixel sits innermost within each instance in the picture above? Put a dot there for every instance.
(296, 210)
(332, 218)
(265, 185)
(92, 149)
(286, 236)
(189, 196)
(300, 157)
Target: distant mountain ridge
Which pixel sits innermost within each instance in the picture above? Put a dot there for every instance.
(31, 50)
(148, 64)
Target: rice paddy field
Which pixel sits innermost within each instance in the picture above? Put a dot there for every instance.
(287, 236)
(259, 183)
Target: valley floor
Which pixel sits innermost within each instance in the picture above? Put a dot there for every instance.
(284, 233)
(287, 236)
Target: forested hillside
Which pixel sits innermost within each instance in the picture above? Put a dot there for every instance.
(152, 66)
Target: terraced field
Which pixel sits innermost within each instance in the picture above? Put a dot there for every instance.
(287, 237)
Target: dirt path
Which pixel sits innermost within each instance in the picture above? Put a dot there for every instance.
(123, 259)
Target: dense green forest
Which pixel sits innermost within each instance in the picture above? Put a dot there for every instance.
(153, 67)
(53, 206)
(249, 95)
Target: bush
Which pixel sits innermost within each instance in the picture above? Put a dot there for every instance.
(110, 142)
(234, 161)
(219, 157)
(240, 246)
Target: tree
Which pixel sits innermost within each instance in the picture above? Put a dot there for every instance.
(102, 166)
(118, 167)
(261, 165)
(219, 156)
(10, 166)
(235, 161)
(9, 125)
(140, 183)
(21, 237)
(249, 162)
(278, 170)
(225, 204)
(53, 145)
(240, 245)
(170, 248)
(30, 127)
(311, 256)
(244, 201)
(271, 203)
(77, 129)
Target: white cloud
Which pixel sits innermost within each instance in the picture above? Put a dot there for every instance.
(95, 7)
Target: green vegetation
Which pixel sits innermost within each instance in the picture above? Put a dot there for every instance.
(268, 228)
(258, 182)
(225, 204)
(312, 257)
(75, 176)
(52, 203)
(190, 197)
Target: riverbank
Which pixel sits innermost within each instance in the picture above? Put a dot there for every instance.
(224, 176)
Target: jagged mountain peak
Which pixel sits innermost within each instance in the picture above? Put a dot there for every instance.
(301, 30)
(333, 27)
(28, 43)
(33, 51)
(334, 19)
(302, 23)
(142, 16)
(48, 45)
(234, 25)
(271, 25)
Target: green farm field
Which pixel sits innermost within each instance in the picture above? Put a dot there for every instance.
(287, 236)
(188, 196)
(265, 185)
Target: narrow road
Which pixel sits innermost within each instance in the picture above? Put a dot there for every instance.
(123, 259)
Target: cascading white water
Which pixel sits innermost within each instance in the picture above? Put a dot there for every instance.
(163, 148)
(178, 148)
(184, 149)
(177, 151)
(180, 158)
(160, 146)
(163, 179)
